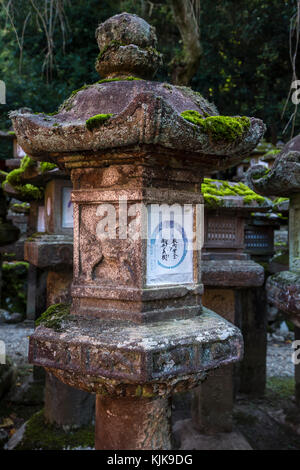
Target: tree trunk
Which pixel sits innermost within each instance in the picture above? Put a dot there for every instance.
(188, 24)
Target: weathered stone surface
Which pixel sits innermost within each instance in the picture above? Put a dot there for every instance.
(127, 47)
(145, 113)
(59, 286)
(212, 402)
(232, 273)
(283, 290)
(67, 406)
(251, 318)
(126, 423)
(284, 177)
(105, 356)
(44, 251)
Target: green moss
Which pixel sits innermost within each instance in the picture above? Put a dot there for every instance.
(219, 128)
(47, 166)
(27, 162)
(127, 79)
(258, 175)
(28, 191)
(97, 121)
(193, 116)
(280, 200)
(272, 152)
(282, 387)
(214, 190)
(14, 179)
(21, 207)
(54, 316)
(14, 286)
(41, 435)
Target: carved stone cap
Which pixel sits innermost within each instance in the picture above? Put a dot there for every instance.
(127, 47)
(284, 177)
(124, 112)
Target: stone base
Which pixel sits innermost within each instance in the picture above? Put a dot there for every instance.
(106, 357)
(187, 438)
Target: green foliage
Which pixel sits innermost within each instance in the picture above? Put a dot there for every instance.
(54, 316)
(96, 121)
(219, 128)
(42, 435)
(14, 286)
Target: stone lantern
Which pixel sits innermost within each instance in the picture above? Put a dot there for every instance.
(136, 332)
(283, 288)
(231, 283)
(50, 249)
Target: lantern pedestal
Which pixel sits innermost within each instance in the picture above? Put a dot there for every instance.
(133, 423)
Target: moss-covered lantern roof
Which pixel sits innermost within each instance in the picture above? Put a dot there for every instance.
(126, 109)
(231, 195)
(284, 177)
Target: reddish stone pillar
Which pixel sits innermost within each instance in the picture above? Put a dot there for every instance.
(133, 423)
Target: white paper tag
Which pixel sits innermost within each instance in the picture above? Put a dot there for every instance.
(41, 219)
(67, 208)
(169, 245)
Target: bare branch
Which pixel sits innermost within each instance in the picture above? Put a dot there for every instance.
(294, 31)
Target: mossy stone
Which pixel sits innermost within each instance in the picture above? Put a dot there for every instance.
(96, 121)
(219, 128)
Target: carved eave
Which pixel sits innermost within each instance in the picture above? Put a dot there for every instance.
(237, 205)
(49, 250)
(284, 177)
(145, 113)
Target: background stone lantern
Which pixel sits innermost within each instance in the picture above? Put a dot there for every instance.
(229, 276)
(137, 331)
(283, 288)
(51, 255)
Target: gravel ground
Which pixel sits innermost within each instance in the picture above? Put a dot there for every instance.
(279, 362)
(15, 338)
